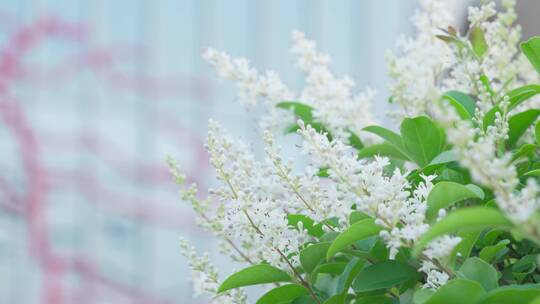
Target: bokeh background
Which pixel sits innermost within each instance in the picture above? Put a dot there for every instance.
(94, 94)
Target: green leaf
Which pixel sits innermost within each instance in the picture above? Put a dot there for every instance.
(422, 139)
(333, 269)
(422, 295)
(376, 299)
(535, 172)
(457, 291)
(355, 141)
(537, 133)
(301, 110)
(308, 224)
(465, 219)
(382, 149)
(356, 232)
(312, 255)
(351, 271)
(488, 253)
(478, 41)
(525, 150)
(444, 158)
(519, 123)
(254, 275)
(478, 270)
(356, 216)
(521, 94)
(384, 275)
(517, 96)
(330, 268)
(437, 163)
(336, 299)
(306, 299)
(531, 49)
(390, 136)
(464, 248)
(463, 103)
(445, 194)
(487, 84)
(526, 264)
(283, 294)
(511, 294)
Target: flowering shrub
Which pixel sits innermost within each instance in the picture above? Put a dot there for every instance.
(444, 211)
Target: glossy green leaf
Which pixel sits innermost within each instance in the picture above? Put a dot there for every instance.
(329, 268)
(421, 295)
(465, 219)
(478, 270)
(356, 216)
(489, 253)
(519, 123)
(375, 299)
(422, 139)
(521, 94)
(487, 84)
(511, 294)
(388, 135)
(354, 266)
(384, 275)
(463, 103)
(332, 269)
(301, 110)
(531, 49)
(283, 294)
(355, 141)
(535, 172)
(306, 299)
(444, 158)
(382, 149)
(356, 232)
(312, 255)
(307, 223)
(457, 291)
(254, 275)
(445, 194)
(526, 264)
(517, 96)
(535, 301)
(537, 133)
(525, 150)
(478, 41)
(465, 246)
(336, 299)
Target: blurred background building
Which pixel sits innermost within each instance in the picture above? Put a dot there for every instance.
(94, 94)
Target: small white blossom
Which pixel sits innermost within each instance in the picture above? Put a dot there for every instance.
(204, 277)
(335, 104)
(435, 277)
(255, 201)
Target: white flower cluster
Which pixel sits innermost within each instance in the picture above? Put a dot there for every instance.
(205, 278)
(335, 105)
(437, 251)
(251, 85)
(447, 66)
(332, 98)
(386, 198)
(314, 197)
(479, 152)
(416, 85)
(255, 198)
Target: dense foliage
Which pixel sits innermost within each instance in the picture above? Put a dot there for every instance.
(446, 210)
